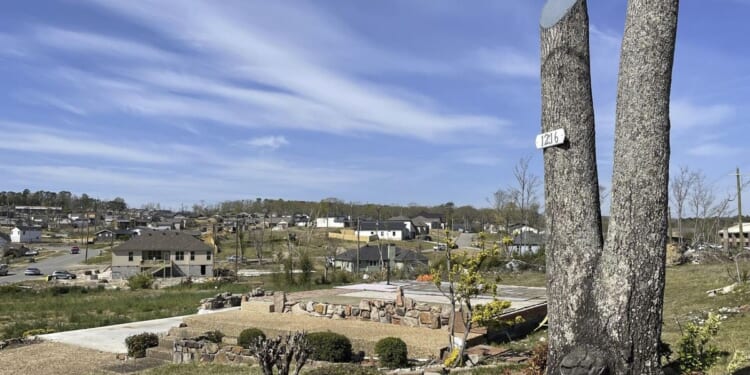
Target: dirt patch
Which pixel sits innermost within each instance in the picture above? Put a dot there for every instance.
(54, 358)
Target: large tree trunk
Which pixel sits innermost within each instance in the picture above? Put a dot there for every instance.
(631, 273)
(570, 183)
(605, 304)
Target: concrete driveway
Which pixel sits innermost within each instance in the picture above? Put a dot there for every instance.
(112, 338)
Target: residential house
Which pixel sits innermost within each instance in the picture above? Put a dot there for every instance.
(527, 243)
(331, 222)
(370, 258)
(23, 234)
(385, 230)
(409, 225)
(108, 235)
(429, 221)
(163, 253)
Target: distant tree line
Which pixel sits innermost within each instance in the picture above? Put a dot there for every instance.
(68, 201)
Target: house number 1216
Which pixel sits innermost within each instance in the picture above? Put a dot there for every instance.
(548, 139)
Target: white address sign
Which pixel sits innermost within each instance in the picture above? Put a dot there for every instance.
(548, 139)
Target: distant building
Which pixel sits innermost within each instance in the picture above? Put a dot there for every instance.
(163, 253)
(730, 237)
(330, 222)
(370, 257)
(25, 234)
(386, 230)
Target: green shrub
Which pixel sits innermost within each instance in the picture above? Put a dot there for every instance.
(249, 336)
(330, 346)
(137, 344)
(343, 370)
(140, 281)
(392, 352)
(696, 354)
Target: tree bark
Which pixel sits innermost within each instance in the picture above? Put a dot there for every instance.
(605, 302)
(631, 272)
(571, 184)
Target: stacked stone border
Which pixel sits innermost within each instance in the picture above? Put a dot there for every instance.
(401, 311)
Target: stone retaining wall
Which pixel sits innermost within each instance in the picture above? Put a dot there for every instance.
(189, 351)
(403, 311)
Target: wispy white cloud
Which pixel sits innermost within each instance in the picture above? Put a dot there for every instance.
(685, 114)
(714, 149)
(80, 41)
(271, 142)
(259, 55)
(506, 61)
(40, 140)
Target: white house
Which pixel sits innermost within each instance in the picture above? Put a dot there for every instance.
(25, 234)
(330, 222)
(385, 230)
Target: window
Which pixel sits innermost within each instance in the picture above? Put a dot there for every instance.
(130, 256)
(394, 234)
(208, 255)
(192, 255)
(179, 255)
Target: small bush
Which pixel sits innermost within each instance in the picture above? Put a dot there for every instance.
(140, 281)
(214, 336)
(249, 336)
(694, 350)
(330, 346)
(137, 344)
(392, 352)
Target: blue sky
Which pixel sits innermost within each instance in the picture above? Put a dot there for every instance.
(368, 101)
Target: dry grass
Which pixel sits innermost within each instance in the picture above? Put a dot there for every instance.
(54, 358)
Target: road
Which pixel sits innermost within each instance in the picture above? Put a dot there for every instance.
(60, 261)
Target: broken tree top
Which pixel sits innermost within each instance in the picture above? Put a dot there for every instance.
(554, 11)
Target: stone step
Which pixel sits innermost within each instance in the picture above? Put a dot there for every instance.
(159, 353)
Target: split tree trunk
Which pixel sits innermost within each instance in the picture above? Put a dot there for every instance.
(571, 184)
(631, 273)
(605, 302)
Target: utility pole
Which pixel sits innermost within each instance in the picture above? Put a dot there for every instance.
(359, 229)
(237, 247)
(741, 242)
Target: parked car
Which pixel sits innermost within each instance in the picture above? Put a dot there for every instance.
(32, 271)
(3, 269)
(440, 247)
(63, 275)
(31, 253)
(75, 250)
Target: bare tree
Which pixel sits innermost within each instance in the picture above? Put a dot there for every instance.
(601, 318)
(681, 185)
(527, 185)
(701, 200)
(503, 203)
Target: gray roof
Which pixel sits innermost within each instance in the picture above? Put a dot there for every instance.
(370, 253)
(383, 225)
(165, 240)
